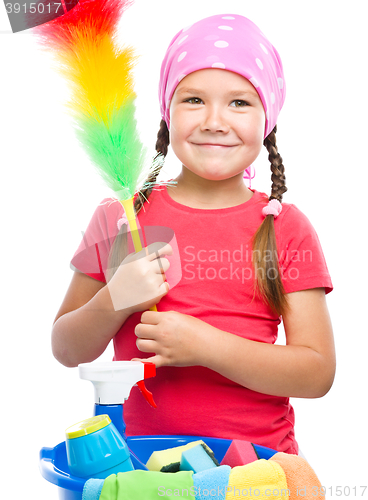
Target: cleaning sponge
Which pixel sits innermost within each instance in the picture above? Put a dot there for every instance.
(239, 453)
(213, 481)
(198, 458)
(169, 460)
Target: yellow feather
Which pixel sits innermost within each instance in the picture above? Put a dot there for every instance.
(100, 75)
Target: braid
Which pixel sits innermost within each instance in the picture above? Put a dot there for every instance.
(119, 249)
(163, 139)
(278, 177)
(162, 144)
(268, 279)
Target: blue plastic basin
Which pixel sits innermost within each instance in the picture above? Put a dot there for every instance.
(54, 466)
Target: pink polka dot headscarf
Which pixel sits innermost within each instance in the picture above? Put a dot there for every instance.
(231, 42)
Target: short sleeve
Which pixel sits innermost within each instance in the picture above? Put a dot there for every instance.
(91, 257)
(302, 262)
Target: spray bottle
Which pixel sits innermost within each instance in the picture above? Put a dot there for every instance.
(112, 382)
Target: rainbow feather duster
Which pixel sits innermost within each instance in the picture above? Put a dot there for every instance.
(83, 42)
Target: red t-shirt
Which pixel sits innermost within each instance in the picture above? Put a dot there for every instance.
(211, 277)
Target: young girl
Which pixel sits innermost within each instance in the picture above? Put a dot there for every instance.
(246, 259)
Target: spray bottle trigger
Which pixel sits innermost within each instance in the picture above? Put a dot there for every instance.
(146, 393)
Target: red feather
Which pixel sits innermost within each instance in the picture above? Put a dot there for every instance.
(96, 17)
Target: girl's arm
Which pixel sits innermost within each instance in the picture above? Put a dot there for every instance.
(85, 323)
(303, 368)
(92, 312)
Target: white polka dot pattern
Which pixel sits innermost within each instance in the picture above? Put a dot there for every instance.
(259, 63)
(263, 48)
(182, 39)
(228, 42)
(254, 82)
(182, 55)
(221, 44)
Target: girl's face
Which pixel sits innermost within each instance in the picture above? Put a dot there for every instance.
(217, 123)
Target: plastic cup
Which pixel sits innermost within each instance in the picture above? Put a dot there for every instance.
(95, 449)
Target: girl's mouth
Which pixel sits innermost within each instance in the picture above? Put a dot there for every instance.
(215, 146)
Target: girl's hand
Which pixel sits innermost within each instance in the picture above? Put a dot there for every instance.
(175, 338)
(303, 368)
(139, 283)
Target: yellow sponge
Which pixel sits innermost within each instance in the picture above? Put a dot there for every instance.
(169, 460)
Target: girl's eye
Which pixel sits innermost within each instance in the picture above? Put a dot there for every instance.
(193, 99)
(239, 103)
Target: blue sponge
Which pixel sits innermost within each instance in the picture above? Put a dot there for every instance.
(92, 489)
(198, 458)
(212, 483)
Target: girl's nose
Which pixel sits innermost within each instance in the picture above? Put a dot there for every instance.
(214, 120)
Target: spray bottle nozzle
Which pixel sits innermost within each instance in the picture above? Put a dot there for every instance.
(149, 371)
(113, 380)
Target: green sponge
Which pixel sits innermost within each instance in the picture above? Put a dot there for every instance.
(169, 460)
(197, 459)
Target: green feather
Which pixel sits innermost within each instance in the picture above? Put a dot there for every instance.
(115, 148)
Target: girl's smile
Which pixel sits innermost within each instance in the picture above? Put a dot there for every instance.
(215, 149)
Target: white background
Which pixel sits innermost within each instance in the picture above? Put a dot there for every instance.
(49, 191)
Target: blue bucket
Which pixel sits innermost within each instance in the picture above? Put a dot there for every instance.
(54, 464)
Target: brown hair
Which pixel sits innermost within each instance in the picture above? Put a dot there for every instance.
(268, 281)
(265, 257)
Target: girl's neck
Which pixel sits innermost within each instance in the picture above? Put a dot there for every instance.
(196, 192)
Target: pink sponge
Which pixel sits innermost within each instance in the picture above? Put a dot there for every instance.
(239, 453)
